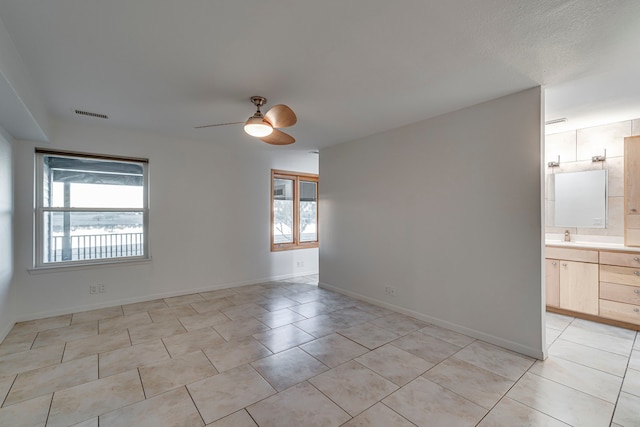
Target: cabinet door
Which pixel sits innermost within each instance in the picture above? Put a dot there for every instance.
(579, 286)
(552, 282)
(632, 190)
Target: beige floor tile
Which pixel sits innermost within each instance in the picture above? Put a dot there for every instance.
(173, 408)
(123, 322)
(312, 309)
(96, 344)
(236, 352)
(379, 415)
(6, 381)
(237, 419)
(511, 413)
(551, 336)
(93, 422)
(95, 398)
(155, 330)
(601, 328)
(204, 320)
(334, 349)
(301, 405)
(588, 356)
(163, 314)
(481, 387)
(290, 367)
(305, 297)
(373, 309)
(53, 378)
(353, 386)
(557, 321)
(399, 323)
(601, 341)
(66, 333)
(244, 311)
(283, 338)
(448, 336)
(628, 410)
(240, 328)
(185, 369)
(247, 298)
(369, 335)
(561, 402)
(588, 380)
(183, 299)
(279, 318)
(192, 341)
(211, 305)
(16, 343)
(138, 307)
(218, 293)
(127, 358)
(495, 359)
(427, 347)
(30, 413)
(41, 324)
(228, 392)
(31, 359)
(99, 314)
(631, 383)
(634, 360)
(427, 404)
(394, 364)
(322, 325)
(277, 303)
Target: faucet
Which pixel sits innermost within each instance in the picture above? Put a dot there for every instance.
(567, 236)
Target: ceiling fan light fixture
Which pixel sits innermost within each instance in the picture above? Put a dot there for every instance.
(256, 126)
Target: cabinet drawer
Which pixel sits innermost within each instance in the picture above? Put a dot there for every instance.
(580, 255)
(623, 259)
(620, 311)
(621, 293)
(620, 275)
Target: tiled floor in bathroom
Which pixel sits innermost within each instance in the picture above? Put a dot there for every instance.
(291, 354)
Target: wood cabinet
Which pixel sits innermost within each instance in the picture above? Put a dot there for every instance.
(620, 286)
(552, 282)
(579, 286)
(632, 191)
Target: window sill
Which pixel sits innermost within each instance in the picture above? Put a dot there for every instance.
(88, 266)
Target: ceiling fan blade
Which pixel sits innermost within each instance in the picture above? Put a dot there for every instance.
(278, 138)
(219, 124)
(281, 116)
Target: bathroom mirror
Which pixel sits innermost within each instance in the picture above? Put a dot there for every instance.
(580, 199)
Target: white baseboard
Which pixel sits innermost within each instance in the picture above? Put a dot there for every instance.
(149, 297)
(492, 339)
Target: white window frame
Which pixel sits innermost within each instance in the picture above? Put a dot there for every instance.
(41, 210)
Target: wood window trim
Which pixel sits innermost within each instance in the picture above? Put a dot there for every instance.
(296, 177)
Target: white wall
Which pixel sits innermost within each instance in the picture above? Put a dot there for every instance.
(7, 297)
(209, 220)
(448, 211)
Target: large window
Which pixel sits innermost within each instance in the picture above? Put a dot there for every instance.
(90, 209)
(294, 210)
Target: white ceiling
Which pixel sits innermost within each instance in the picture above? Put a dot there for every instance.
(348, 68)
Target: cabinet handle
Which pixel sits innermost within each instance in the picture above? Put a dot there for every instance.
(636, 291)
(637, 310)
(553, 263)
(634, 210)
(637, 273)
(564, 264)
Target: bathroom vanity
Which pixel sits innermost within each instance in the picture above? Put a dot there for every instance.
(599, 283)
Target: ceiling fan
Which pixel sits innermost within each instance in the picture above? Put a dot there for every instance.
(265, 126)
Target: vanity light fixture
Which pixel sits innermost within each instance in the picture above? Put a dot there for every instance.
(554, 164)
(596, 159)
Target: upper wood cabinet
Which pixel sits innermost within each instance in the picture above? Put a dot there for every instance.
(632, 191)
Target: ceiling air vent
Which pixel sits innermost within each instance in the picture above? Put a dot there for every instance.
(87, 113)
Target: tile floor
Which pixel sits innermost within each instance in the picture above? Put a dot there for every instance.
(290, 354)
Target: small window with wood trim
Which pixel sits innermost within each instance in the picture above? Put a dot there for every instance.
(294, 210)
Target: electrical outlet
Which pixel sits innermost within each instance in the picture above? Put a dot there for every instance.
(301, 263)
(102, 288)
(93, 289)
(391, 291)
